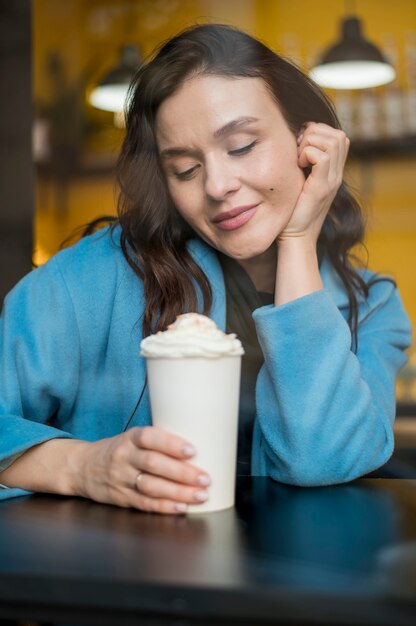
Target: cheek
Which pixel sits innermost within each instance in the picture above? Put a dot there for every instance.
(284, 178)
(185, 201)
(276, 169)
(283, 193)
(297, 180)
(178, 196)
(283, 187)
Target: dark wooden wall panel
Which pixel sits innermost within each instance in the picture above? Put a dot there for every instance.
(16, 165)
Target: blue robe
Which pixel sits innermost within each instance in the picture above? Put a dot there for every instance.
(70, 366)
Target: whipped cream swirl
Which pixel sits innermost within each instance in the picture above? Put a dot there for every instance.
(191, 335)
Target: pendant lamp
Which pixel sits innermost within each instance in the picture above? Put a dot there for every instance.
(110, 93)
(353, 62)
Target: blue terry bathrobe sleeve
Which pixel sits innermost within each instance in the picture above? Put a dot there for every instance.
(324, 413)
(33, 335)
(70, 366)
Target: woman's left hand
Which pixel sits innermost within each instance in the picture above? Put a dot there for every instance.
(324, 149)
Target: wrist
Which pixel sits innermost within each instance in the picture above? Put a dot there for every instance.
(305, 241)
(54, 466)
(73, 482)
(297, 272)
(298, 250)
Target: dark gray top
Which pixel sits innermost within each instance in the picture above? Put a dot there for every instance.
(242, 300)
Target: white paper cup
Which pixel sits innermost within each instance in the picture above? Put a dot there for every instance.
(197, 398)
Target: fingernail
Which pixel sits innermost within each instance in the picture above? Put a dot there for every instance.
(200, 496)
(203, 480)
(188, 451)
(300, 137)
(181, 507)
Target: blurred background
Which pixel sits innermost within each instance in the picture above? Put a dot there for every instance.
(73, 44)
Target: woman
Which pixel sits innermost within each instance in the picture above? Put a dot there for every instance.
(232, 201)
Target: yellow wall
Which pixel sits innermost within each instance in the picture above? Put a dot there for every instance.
(388, 189)
(88, 33)
(387, 186)
(316, 23)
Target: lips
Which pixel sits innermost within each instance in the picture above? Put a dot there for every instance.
(234, 218)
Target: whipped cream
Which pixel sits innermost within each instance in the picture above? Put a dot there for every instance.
(191, 335)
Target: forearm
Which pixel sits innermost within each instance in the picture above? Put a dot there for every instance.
(327, 413)
(50, 467)
(297, 273)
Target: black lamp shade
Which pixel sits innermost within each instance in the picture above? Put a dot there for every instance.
(353, 45)
(110, 94)
(353, 62)
(127, 67)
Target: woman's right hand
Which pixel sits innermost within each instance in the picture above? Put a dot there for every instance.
(144, 468)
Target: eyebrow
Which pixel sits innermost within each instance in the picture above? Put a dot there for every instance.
(234, 125)
(220, 133)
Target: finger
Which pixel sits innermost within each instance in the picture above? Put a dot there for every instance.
(328, 145)
(325, 131)
(311, 156)
(159, 488)
(159, 464)
(151, 505)
(323, 169)
(317, 185)
(336, 144)
(321, 127)
(153, 438)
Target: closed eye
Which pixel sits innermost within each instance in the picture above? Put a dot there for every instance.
(187, 174)
(243, 150)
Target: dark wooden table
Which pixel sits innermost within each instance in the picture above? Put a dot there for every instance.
(330, 556)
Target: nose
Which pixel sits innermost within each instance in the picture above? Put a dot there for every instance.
(220, 180)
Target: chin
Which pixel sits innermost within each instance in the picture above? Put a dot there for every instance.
(245, 253)
(251, 246)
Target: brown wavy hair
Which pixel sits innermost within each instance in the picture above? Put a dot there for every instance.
(154, 235)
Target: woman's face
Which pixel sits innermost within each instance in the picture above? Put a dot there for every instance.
(230, 161)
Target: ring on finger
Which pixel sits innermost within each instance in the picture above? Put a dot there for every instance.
(139, 478)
